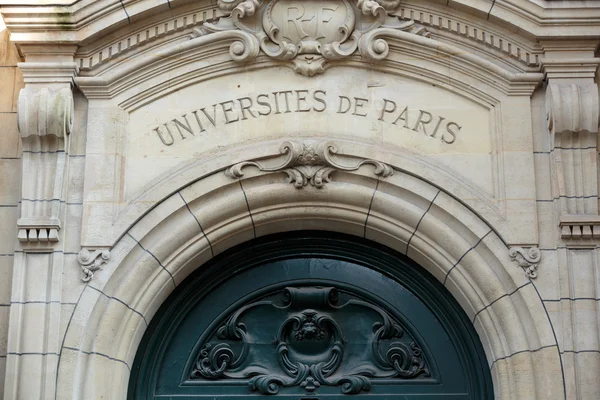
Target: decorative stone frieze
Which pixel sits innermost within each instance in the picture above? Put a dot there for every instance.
(45, 121)
(308, 162)
(526, 258)
(92, 261)
(308, 35)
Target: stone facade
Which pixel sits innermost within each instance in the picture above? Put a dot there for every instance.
(140, 139)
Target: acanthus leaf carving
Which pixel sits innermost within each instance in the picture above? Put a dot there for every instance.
(312, 346)
(307, 35)
(309, 162)
(91, 262)
(526, 258)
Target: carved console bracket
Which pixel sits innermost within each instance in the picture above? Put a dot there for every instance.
(91, 262)
(45, 121)
(308, 162)
(572, 107)
(526, 258)
(307, 35)
(572, 115)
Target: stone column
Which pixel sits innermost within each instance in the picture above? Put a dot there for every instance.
(572, 114)
(45, 112)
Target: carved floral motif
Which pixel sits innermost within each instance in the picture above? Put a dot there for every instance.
(311, 347)
(307, 34)
(526, 258)
(309, 162)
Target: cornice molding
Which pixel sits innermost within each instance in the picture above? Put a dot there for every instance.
(243, 47)
(517, 53)
(76, 21)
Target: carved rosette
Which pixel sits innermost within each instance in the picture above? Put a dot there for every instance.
(91, 262)
(526, 258)
(308, 34)
(308, 162)
(314, 344)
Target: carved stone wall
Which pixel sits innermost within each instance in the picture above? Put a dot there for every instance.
(153, 136)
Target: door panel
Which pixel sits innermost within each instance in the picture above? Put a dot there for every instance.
(310, 318)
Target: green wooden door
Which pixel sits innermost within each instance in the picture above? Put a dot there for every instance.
(310, 316)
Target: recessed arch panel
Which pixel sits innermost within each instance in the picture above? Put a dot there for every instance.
(311, 314)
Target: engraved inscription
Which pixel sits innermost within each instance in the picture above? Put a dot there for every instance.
(262, 105)
(309, 20)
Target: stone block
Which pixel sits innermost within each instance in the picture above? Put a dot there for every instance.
(10, 178)
(6, 273)
(7, 88)
(10, 141)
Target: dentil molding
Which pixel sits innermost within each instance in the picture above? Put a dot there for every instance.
(307, 35)
(308, 162)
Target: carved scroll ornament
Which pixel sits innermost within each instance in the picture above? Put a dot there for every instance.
(526, 258)
(308, 343)
(91, 262)
(307, 34)
(308, 162)
(572, 107)
(45, 120)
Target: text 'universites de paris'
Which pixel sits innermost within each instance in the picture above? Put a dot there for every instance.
(305, 101)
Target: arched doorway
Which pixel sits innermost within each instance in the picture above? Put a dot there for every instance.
(310, 315)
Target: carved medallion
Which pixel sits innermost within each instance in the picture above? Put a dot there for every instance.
(308, 33)
(308, 337)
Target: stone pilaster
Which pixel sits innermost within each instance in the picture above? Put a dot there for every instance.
(45, 114)
(572, 114)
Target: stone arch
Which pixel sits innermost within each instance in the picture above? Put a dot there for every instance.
(402, 211)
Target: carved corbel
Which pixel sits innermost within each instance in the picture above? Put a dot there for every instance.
(45, 120)
(308, 162)
(526, 258)
(572, 114)
(91, 262)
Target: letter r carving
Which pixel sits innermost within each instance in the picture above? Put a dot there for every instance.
(296, 20)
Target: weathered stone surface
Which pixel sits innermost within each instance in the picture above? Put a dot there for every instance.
(153, 136)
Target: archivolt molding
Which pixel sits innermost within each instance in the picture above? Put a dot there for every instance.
(205, 218)
(268, 154)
